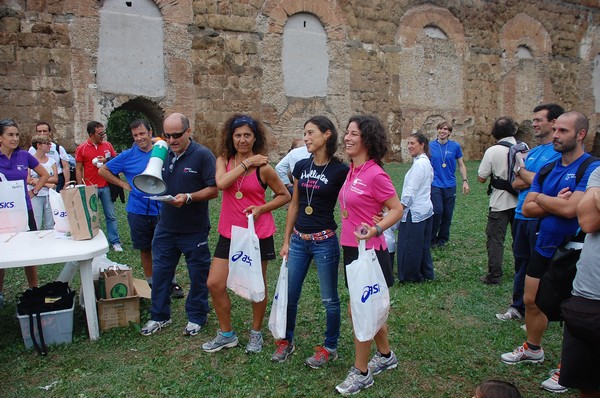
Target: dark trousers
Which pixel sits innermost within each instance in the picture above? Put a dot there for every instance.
(443, 200)
(496, 234)
(524, 238)
(414, 255)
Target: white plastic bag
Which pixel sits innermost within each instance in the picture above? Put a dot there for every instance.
(245, 269)
(13, 207)
(369, 294)
(278, 317)
(59, 213)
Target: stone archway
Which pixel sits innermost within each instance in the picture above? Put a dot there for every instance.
(526, 45)
(290, 113)
(92, 104)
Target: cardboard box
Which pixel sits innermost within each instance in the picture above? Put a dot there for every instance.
(118, 312)
(57, 327)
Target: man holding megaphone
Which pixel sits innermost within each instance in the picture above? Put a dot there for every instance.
(142, 213)
(189, 175)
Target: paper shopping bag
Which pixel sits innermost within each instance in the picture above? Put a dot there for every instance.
(81, 204)
(278, 317)
(13, 207)
(369, 294)
(245, 268)
(115, 283)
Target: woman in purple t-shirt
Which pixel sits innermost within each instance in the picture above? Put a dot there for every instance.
(15, 164)
(366, 191)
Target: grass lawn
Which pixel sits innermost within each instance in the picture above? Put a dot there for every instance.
(444, 332)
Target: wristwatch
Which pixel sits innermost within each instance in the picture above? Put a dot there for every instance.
(35, 192)
(518, 170)
(189, 198)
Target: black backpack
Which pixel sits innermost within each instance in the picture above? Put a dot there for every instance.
(513, 151)
(53, 296)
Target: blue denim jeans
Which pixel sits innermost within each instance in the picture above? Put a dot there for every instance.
(525, 237)
(109, 214)
(326, 254)
(167, 248)
(443, 200)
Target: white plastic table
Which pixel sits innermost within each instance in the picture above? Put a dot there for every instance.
(42, 247)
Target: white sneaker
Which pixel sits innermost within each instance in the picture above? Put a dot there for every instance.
(523, 354)
(355, 382)
(512, 313)
(552, 385)
(117, 247)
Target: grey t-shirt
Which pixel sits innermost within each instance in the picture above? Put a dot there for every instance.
(587, 280)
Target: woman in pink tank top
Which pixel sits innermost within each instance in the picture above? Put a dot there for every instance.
(243, 174)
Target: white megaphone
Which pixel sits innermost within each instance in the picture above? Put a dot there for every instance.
(150, 181)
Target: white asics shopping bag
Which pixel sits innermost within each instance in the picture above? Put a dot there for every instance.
(369, 294)
(245, 269)
(278, 317)
(13, 207)
(59, 213)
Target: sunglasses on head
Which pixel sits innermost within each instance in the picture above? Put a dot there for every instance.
(174, 135)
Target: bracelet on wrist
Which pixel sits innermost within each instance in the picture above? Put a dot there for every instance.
(244, 166)
(465, 180)
(379, 230)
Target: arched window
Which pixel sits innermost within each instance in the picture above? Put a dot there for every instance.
(130, 51)
(523, 53)
(305, 61)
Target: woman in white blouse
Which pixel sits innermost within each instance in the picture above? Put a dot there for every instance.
(414, 233)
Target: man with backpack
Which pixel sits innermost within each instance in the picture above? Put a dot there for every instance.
(555, 192)
(495, 165)
(525, 228)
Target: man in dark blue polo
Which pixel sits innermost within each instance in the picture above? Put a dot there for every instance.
(189, 172)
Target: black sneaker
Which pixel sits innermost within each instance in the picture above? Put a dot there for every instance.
(176, 291)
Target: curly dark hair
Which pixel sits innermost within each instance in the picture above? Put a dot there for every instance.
(260, 145)
(373, 136)
(324, 124)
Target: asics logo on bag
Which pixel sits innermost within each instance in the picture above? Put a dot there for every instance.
(60, 214)
(368, 291)
(244, 257)
(7, 205)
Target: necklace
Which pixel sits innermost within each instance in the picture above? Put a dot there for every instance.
(345, 190)
(239, 195)
(308, 209)
(443, 153)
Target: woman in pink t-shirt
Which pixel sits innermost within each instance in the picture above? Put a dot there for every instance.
(366, 191)
(243, 174)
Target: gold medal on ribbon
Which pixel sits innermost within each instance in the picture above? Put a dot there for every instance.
(345, 213)
(308, 210)
(239, 195)
(444, 165)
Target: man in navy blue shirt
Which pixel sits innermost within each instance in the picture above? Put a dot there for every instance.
(189, 173)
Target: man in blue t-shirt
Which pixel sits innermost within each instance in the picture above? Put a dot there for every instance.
(189, 172)
(142, 213)
(445, 155)
(525, 228)
(554, 202)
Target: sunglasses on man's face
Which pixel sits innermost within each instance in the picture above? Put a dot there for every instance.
(174, 135)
